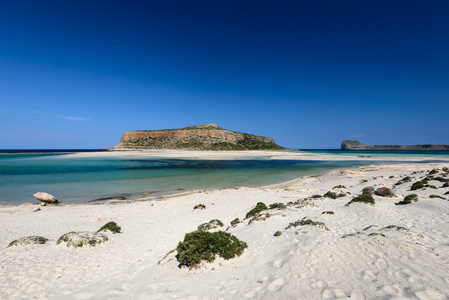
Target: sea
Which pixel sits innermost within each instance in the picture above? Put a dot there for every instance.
(77, 179)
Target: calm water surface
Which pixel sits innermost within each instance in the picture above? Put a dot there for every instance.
(85, 179)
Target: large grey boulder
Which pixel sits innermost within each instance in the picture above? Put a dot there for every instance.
(28, 240)
(77, 239)
(45, 197)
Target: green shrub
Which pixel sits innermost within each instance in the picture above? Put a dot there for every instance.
(203, 245)
(341, 195)
(327, 213)
(111, 226)
(433, 187)
(259, 207)
(364, 198)
(331, 195)
(437, 196)
(316, 196)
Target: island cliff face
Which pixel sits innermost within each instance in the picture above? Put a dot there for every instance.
(356, 145)
(199, 137)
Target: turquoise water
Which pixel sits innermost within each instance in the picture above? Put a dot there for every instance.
(86, 179)
(80, 179)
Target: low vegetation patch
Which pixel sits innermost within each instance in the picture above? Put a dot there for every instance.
(235, 221)
(403, 180)
(409, 199)
(201, 246)
(339, 187)
(396, 227)
(111, 226)
(376, 233)
(437, 196)
(278, 233)
(331, 195)
(260, 206)
(327, 213)
(419, 185)
(277, 206)
(365, 198)
(199, 206)
(28, 240)
(304, 222)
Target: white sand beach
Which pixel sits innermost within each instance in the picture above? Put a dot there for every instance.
(357, 255)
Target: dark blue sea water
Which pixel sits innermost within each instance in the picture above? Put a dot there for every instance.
(86, 179)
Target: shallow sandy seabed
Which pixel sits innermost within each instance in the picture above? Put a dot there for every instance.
(305, 262)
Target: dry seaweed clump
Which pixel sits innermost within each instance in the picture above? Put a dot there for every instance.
(365, 198)
(212, 224)
(203, 245)
(28, 240)
(111, 226)
(260, 206)
(77, 239)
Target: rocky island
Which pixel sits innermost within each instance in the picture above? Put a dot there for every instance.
(356, 145)
(199, 137)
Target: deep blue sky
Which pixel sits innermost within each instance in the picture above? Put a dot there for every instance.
(77, 74)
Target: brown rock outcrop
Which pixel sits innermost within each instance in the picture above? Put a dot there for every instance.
(356, 145)
(200, 137)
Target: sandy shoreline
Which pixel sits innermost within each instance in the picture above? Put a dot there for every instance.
(306, 262)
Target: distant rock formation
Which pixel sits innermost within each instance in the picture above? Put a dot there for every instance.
(356, 145)
(199, 137)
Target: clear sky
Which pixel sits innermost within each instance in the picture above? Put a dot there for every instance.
(77, 74)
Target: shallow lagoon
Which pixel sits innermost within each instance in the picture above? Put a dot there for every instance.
(85, 179)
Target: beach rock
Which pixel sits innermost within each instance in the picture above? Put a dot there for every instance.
(36, 209)
(45, 197)
(77, 239)
(369, 190)
(43, 204)
(384, 192)
(215, 223)
(28, 240)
